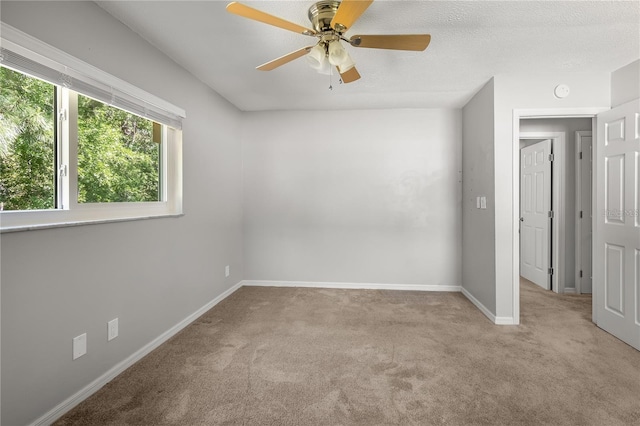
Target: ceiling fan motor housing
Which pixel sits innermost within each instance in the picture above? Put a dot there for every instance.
(321, 14)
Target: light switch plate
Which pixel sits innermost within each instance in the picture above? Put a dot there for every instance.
(79, 346)
(483, 202)
(227, 271)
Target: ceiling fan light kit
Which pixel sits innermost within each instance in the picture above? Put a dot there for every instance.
(337, 54)
(346, 65)
(324, 55)
(316, 57)
(330, 19)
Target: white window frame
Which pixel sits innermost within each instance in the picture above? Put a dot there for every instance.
(71, 212)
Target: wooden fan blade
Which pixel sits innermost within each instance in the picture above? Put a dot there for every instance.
(350, 75)
(397, 42)
(257, 15)
(284, 59)
(348, 12)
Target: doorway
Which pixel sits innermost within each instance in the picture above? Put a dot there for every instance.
(559, 225)
(614, 183)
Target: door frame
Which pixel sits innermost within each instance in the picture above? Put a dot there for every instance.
(558, 189)
(578, 136)
(518, 114)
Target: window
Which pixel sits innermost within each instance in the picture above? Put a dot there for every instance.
(78, 145)
(27, 142)
(119, 155)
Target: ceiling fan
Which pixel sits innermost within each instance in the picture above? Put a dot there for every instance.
(330, 20)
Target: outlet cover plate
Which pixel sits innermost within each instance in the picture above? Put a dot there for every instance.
(112, 329)
(79, 346)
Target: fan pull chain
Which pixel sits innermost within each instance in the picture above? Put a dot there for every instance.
(330, 80)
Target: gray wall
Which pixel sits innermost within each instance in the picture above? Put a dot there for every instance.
(358, 196)
(59, 283)
(478, 239)
(625, 84)
(568, 126)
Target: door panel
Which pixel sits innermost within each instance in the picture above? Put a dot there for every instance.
(540, 189)
(616, 229)
(535, 203)
(637, 289)
(615, 131)
(539, 249)
(614, 183)
(614, 279)
(637, 203)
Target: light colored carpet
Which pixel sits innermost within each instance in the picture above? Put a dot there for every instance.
(296, 356)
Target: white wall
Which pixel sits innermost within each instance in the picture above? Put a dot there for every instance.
(478, 227)
(59, 283)
(358, 197)
(530, 91)
(568, 126)
(625, 84)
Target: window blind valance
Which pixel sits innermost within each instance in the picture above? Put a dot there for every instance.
(21, 52)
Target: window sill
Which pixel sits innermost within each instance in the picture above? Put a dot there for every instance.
(36, 227)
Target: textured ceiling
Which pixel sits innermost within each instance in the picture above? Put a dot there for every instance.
(471, 42)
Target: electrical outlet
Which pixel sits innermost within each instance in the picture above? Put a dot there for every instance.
(112, 329)
(79, 346)
(227, 271)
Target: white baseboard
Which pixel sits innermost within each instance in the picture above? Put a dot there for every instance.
(505, 321)
(494, 319)
(570, 290)
(65, 406)
(479, 305)
(363, 286)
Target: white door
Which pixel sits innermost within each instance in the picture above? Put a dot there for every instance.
(616, 259)
(585, 218)
(535, 205)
